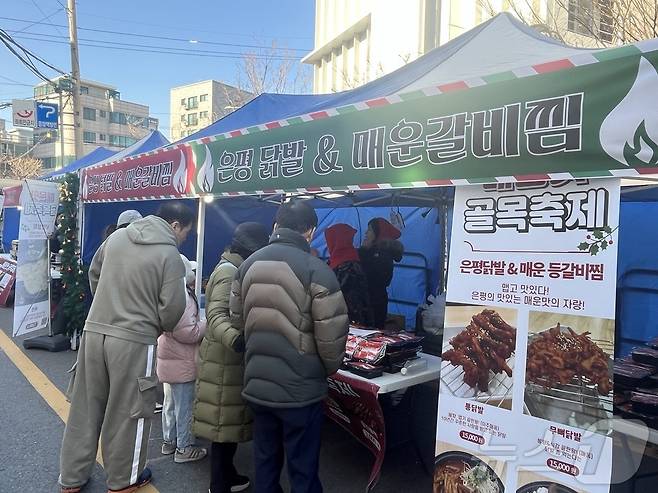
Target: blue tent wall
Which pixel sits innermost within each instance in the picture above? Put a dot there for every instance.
(222, 217)
(99, 216)
(637, 270)
(414, 276)
(11, 221)
(419, 270)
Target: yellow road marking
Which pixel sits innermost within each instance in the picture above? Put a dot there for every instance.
(46, 389)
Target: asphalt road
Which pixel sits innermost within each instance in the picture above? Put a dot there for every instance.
(31, 434)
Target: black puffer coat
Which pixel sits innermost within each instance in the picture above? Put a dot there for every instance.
(295, 323)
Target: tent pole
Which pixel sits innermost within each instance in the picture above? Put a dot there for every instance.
(443, 248)
(81, 218)
(200, 235)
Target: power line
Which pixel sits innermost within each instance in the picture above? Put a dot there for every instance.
(8, 41)
(156, 47)
(41, 21)
(188, 28)
(46, 17)
(26, 61)
(166, 38)
(15, 81)
(14, 84)
(163, 50)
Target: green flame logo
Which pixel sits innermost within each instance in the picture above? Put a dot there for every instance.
(644, 151)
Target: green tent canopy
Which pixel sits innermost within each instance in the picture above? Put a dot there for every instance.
(592, 114)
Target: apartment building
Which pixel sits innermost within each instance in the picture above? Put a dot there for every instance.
(14, 142)
(357, 41)
(197, 105)
(106, 119)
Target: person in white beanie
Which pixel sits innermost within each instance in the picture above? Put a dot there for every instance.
(177, 370)
(124, 219)
(127, 217)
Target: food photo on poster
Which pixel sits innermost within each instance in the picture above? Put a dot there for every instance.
(569, 364)
(478, 354)
(459, 471)
(532, 482)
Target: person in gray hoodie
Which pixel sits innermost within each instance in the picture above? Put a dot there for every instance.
(138, 281)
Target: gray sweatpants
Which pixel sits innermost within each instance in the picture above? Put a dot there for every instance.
(113, 398)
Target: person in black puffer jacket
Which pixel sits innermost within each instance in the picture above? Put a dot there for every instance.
(379, 251)
(295, 326)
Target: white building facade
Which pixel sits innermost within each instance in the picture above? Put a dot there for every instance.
(197, 105)
(357, 41)
(106, 121)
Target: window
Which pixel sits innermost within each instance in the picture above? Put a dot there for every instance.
(182, 102)
(44, 90)
(121, 140)
(102, 113)
(89, 137)
(591, 18)
(203, 114)
(84, 90)
(203, 98)
(89, 114)
(118, 117)
(101, 137)
(606, 27)
(192, 103)
(192, 119)
(49, 162)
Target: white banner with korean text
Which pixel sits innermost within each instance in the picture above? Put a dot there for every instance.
(526, 380)
(39, 203)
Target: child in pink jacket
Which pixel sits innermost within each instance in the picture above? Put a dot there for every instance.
(176, 369)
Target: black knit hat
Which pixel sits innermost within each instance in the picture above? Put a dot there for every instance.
(250, 236)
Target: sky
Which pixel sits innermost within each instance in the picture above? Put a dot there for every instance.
(218, 28)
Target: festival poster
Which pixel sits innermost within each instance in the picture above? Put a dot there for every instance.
(39, 203)
(525, 401)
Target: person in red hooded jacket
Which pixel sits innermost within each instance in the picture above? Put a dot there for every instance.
(379, 251)
(344, 261)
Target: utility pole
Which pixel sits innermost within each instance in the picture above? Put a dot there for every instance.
(75, 75)
(61, 124)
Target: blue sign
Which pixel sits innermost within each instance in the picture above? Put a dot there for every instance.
(47, 115)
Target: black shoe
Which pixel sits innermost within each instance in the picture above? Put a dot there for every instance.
(239, 483)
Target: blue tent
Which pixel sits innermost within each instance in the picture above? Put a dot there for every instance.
(149, 142)
(10, 223)
(95, 156)
(263, 108)
(153, 140)
(417, 275)
(637, 268)
(502, 43)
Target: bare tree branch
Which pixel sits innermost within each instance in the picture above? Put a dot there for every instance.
(20, 167)
(591, 23)
(273, 70)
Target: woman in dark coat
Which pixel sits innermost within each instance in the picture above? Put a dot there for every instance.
(379, 251)
(344, 261)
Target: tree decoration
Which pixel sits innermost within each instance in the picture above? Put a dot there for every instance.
(597, 241)
(74, 274)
